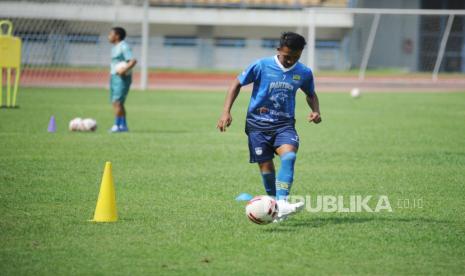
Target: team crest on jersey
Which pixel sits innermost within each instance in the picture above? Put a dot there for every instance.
(278, 99)
(258, 151)
(296, 77)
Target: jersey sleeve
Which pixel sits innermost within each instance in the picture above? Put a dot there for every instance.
(308, 85)
(251, 74)
(127, 52)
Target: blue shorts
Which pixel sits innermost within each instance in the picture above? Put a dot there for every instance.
(119, 87)
(263, 144)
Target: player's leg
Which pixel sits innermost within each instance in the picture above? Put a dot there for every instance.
(127, 80)
(116, 91)
(119, 90)
(117, 110)
(286, 144)
(288, 154)
(268, 176)
(262, 152)
(122, 118)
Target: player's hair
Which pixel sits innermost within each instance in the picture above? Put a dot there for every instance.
(292, 40)
(120, 31)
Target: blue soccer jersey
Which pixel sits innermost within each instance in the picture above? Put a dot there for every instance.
(272, 104)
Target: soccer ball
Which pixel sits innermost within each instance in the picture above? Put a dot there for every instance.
(261, 209)
(89, 124)
(79, 124)
(355, 92)
(75, 124)
(121, 66)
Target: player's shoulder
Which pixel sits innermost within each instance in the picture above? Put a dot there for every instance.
(267, 60)
(124, 45)
(259, 64)
(304, 69)
(262, 62)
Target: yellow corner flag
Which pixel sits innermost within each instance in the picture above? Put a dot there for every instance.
(10, 59)
(106, 203)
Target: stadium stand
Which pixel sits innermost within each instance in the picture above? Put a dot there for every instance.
(258, 4)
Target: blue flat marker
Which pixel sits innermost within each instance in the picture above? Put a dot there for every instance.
(244, 197)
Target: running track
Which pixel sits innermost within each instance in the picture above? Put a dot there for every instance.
(220, 81)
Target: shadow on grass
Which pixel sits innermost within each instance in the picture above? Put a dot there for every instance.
(316, 222)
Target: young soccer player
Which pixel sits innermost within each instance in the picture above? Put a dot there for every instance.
(270, 123)
(121, 78)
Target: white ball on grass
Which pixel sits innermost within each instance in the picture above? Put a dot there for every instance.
(79, 124)
(355, 92)
(75, 124)
(261, 209)
(89, 124)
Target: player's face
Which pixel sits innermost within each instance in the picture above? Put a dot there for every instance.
(112, 37)
(288, 57)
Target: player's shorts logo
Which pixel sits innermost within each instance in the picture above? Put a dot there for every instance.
(258, 151)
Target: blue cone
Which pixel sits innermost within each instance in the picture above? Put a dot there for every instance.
(244, 197)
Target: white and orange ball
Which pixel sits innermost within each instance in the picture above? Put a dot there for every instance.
(261, 209)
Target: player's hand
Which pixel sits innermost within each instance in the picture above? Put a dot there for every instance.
(314, 117)
(224, 121)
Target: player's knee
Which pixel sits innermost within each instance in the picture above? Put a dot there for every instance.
(266, 166)
(289, 156)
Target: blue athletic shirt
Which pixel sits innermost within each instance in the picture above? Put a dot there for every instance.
(272, 104)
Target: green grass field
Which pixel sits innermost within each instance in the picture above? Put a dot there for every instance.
(176, 179)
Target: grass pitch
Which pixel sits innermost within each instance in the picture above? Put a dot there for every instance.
(176, 179)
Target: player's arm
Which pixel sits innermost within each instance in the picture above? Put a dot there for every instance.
(226, 118)
(249, 75)
(314, 104)
(131, 64)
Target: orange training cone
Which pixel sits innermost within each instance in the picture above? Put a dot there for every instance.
(106, 203)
